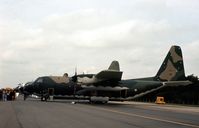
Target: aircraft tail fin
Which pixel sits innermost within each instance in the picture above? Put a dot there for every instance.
(114, 66)
(172, 68)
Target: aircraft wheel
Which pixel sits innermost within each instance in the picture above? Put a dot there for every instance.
(43, 98)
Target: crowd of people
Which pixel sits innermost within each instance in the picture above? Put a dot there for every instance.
(7, 94)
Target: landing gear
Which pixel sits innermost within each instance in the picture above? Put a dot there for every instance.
(44, 97)
(25, 97)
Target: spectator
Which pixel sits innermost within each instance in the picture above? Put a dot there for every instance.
(4, 95)
(1, 95)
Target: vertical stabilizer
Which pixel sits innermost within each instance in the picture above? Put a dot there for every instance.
(114, 66)
(172, 68)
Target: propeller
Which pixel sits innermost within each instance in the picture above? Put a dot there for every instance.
(74, 78)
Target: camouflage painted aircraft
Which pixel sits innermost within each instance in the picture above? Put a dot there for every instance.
(107, 84)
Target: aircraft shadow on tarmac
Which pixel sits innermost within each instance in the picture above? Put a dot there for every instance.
(112, 104)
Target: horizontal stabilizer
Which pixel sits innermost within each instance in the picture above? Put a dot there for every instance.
(177, 83)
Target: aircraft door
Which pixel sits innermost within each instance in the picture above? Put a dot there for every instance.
(123, 93)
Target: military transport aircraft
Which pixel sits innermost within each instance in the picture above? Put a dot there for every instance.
(107, 84)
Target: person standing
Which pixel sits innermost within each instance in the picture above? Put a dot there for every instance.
(1, 94)
(4, 95)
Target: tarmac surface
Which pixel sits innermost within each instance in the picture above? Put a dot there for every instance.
(62, 114)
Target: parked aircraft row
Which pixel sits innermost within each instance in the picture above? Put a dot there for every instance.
(107, 84)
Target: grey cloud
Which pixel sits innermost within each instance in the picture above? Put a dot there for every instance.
(89, 39)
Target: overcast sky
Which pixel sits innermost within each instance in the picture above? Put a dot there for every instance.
(52, 37)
